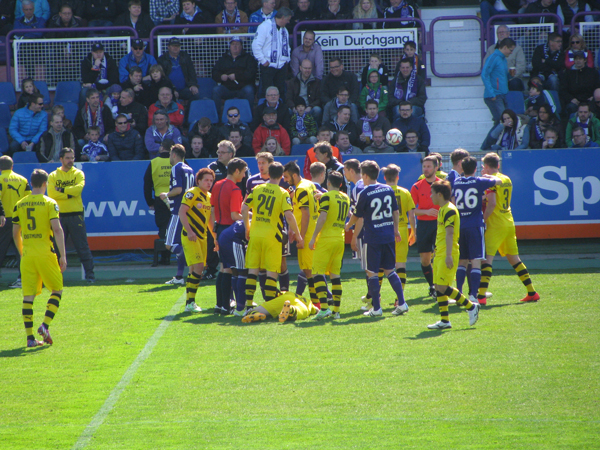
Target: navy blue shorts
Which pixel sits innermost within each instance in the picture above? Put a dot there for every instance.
(379, 256)
(232, 253)
(472, 243)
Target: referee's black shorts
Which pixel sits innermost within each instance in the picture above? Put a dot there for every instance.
(426, 232)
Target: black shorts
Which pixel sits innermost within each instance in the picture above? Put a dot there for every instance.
(426, 231)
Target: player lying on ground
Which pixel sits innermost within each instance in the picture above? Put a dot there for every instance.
(288, 306)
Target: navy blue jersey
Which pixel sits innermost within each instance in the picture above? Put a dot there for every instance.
(257, 180)
(356, 189)
(182, 176)
(452, 176)
(320, 188)
(468, 194)
(376, 204)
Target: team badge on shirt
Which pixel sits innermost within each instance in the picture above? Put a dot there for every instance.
(189, 195)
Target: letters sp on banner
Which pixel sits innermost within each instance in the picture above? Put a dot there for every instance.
(365, 39)
(554, 186)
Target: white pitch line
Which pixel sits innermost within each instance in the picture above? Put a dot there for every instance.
(112, 399)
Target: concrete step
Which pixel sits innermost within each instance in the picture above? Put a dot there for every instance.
(454, 82)
(458, 92)
(452, 105)
(458, 117)
(460, 128)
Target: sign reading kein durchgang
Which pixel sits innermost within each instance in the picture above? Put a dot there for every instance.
(355, 46)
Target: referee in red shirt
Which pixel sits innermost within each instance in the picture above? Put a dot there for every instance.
(426, 213)
(226, 200)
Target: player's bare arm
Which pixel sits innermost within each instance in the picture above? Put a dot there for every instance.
(291, 220)
(351, 222)
(246, 219)
(303, 225)
(396, 218)
(17, 238)
(412, 238)
(211, 228)
(183, 209)
(320, 223)
(59, 236)
(426, 212)
(491, 205)
(449, 236)
(357, 230)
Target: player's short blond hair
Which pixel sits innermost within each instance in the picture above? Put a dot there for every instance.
(265, 155)
(391, 172)
(317, 168)
(491, 160)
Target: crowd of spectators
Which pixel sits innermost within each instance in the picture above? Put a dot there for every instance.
(130, 106)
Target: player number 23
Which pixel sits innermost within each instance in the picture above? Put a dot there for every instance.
(470, 198)
(379, 209)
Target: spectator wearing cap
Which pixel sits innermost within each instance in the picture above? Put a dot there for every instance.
(166, 103)
(235, 71)
(136, 113)
(271, 48)
(536, 97)
(135, 18)
(136, 57)
(231, 14)
(125, 143)
(269, 127)
(266, 12)
(578, 85)
(113, 98)
(98, 69)
(191, 14)
(163, 12)
(179, 67)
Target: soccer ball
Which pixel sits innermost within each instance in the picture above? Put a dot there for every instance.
(394, 136)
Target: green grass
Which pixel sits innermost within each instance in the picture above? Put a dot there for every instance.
(525, 377)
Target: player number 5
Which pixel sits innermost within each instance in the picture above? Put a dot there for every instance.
(32, 225)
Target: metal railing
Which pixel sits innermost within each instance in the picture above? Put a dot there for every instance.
(43, 49)
(432, 52)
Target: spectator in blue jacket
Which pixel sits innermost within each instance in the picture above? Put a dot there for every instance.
(495, 78)
(42, 9)
(267, 11)
(136, 57)
(160, 130)
(29, 20)
(125, 143)
(27, 125)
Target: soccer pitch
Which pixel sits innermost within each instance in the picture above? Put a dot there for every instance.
(130, 370)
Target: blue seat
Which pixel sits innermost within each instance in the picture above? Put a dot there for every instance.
(43, 88)
(203, 108)
(4, 116)
(205, 87)
(3, 140)
(242, 105)
(300, 149)
(516, 101)
(70, 110)
(25, 157)
(67, 91)
(7, 93)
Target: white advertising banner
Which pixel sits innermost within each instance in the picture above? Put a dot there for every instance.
(365, 39)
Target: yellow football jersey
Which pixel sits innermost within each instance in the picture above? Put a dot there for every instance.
(336, 204)
(34, 213)
(199, 213)
(304, 197)
(268, 203)
(405, 204)
(73, 182)
(448, 216)
(502, 214)
(13, 187)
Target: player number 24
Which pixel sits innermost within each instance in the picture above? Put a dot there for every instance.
(470, 198)
(379, 210)
(266, 201)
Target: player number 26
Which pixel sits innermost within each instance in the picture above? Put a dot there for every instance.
(470, 198)
(379, 209)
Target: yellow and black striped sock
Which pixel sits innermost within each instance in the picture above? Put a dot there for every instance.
(191, 287)
(250, 289)
(336, 292)
(486, 274)
(27, 312)
(51, 308)
(401, 271)
(321, 290)
(442, 301)
(455, 294)
(523, 274)
(380, 275)
(312, 290)
(271, 290)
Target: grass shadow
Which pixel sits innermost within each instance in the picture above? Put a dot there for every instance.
(21, 351)
(428, 334)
